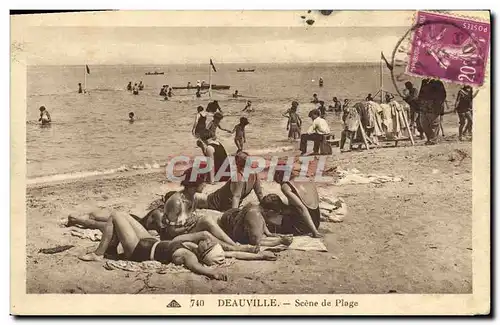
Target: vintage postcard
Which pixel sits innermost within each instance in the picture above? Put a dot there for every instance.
(251, 163)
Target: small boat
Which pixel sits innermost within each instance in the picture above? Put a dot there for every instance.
(245, 70)
(154, 73)
(205, 86)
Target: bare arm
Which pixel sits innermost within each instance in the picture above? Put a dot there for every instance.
(190, 261)
(220, 127)
(195, 122)
(244, 256)
(236, 189)
(210, 154)
(257, 188)
(295, 201)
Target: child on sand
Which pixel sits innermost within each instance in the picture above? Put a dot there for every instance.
(131, 117)
(239, 133)
(294, 123)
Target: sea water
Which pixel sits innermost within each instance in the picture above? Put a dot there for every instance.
(90, 133)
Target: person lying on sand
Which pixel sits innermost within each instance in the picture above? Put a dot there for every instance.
(187, 249)
(302, 214)
(232, 193)
(248, 226)
(179, 216)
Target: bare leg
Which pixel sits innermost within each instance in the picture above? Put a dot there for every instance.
(187, 258)
(268, 256)
(128, 231)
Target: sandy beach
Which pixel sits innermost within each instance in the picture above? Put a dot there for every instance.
(412, 236)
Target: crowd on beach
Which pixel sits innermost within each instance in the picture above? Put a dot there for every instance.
(189, 238)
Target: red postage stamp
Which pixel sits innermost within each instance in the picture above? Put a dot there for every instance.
(451, 48)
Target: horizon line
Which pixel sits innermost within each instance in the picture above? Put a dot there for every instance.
(203, 63)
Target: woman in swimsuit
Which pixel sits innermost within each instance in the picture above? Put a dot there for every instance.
(302, 215)
(187, 249)
(233, 192)
(44, 116)
(217, 154)
(179, 216)
(200, 122)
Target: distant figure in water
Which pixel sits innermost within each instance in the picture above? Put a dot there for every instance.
(129, 86)
(198, 93)
(44, 116)
(369, 98)
(322, 109)
(141, 86)
(170, 93)
(213, 107)
(163, 91)
(131, 117)
(248, 107)
(189, 84)
(315, 99)
(236, 95)
(337, 106)
(135, 89)
(347, 102)
(321, 82)
(239, 133)
(80, 90)
(200, 122)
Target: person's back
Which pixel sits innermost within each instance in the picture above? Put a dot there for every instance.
(464, 100)
(293, 117)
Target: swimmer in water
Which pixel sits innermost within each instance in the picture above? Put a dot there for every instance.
(163, 91)
(80, 90)
(170, 93)
(248, 107)
(315, 99)
(236, 95)
(131, 117)
(141, 86)
(129, 86)
(44, 116)
(135, 90)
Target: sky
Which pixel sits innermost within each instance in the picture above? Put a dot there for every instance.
(347, 39)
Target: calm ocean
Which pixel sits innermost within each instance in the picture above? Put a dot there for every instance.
(90, 133)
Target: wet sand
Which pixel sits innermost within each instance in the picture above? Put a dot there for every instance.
(407, 237)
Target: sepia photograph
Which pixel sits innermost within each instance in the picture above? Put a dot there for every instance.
(277, 160)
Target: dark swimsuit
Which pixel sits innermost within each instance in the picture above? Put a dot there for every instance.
(163, 252)
(222, 199)
(296, 225)
(201, 125)
(220, 156)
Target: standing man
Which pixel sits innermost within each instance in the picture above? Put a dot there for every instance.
(315, 133)
(463, 106)
(431, 99)
(411, 98)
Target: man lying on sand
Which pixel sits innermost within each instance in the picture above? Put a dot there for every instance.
(185, 250)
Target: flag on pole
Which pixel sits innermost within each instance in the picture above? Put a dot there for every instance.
(213, 66)
(389, 66)
(88, 70)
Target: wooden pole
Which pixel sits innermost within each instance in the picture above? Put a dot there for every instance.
(381, 82)
(407, 126)
(210, 81)
(85, 79)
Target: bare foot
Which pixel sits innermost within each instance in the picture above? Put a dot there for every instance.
(317, 235)
(71, 221)
(268, 256)
(91, 257)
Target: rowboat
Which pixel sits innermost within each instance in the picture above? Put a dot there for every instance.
(214, 87)
(245, 70)
(153, 73)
